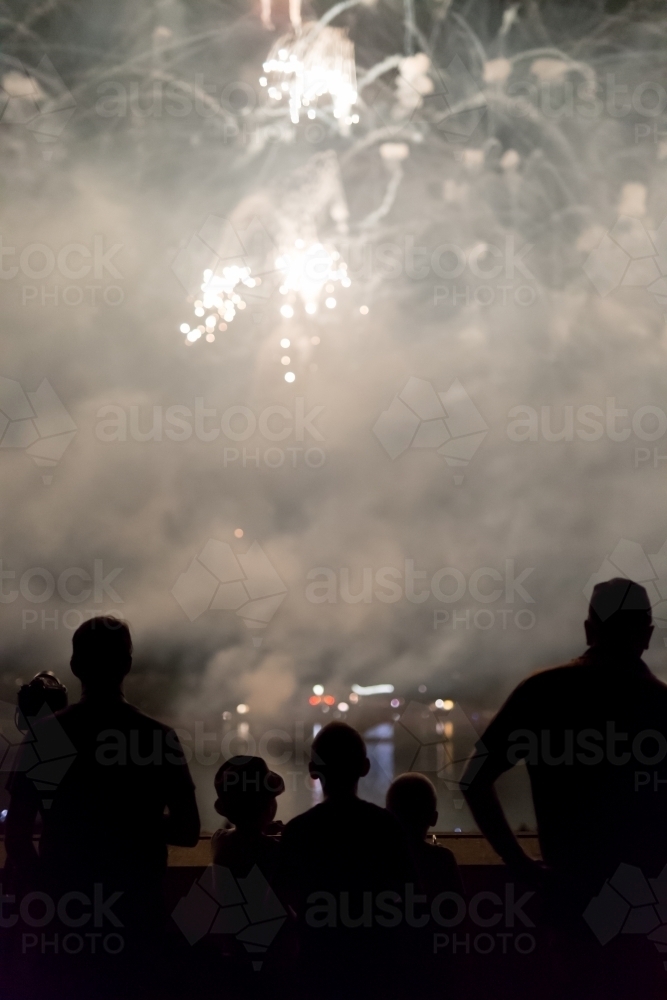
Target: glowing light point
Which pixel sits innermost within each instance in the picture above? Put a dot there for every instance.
(210, 337)
(343, 706)
(363, 310)
(285, 342)
(311, 308)
(286, 311)
(330, 303)
(185, 328)
(448, 705)
(285, 360)
(289, 376)
(242, 709)
(238, 532)
(314, 62)
(318, 689)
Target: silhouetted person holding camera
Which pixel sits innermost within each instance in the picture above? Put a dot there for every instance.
(593, 735)
(44, 690)
(118, 789)
(345, 863)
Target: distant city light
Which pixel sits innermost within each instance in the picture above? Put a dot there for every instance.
(238, 532)
(328, 699)
(373, 689)
(395, 703)
(285, 342)
(289, 376)
(343, 706)
(363, 310)
(318, 689)
(242, 709)
(448, 705)
(354, 698)
(314, 699)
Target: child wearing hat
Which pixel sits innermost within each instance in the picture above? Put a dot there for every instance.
(246, 795)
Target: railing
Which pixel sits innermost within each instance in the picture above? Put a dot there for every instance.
(468, 849)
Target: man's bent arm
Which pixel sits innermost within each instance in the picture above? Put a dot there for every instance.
(181, 825)
(477, 786)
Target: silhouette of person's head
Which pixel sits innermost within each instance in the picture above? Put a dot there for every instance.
(247, 792)
(413, 801)
(101, 654)
(338, 758)
(43, 690)
(619, 617)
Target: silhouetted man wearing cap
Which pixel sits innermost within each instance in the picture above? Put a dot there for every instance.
(593, 735)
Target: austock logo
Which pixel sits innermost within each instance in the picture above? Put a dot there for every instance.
(629, 903)
(632, 256)
(44, 754)
(439, 743)
(450, 101)
(219, 580)
(36, 422)
(218, 244)
(629, 560)
(245, 908)
(36, 99)
(447, 422)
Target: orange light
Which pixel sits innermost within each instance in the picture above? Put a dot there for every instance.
(328, 699)
(314, 699)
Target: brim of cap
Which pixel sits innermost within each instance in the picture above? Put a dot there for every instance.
(272, 786)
